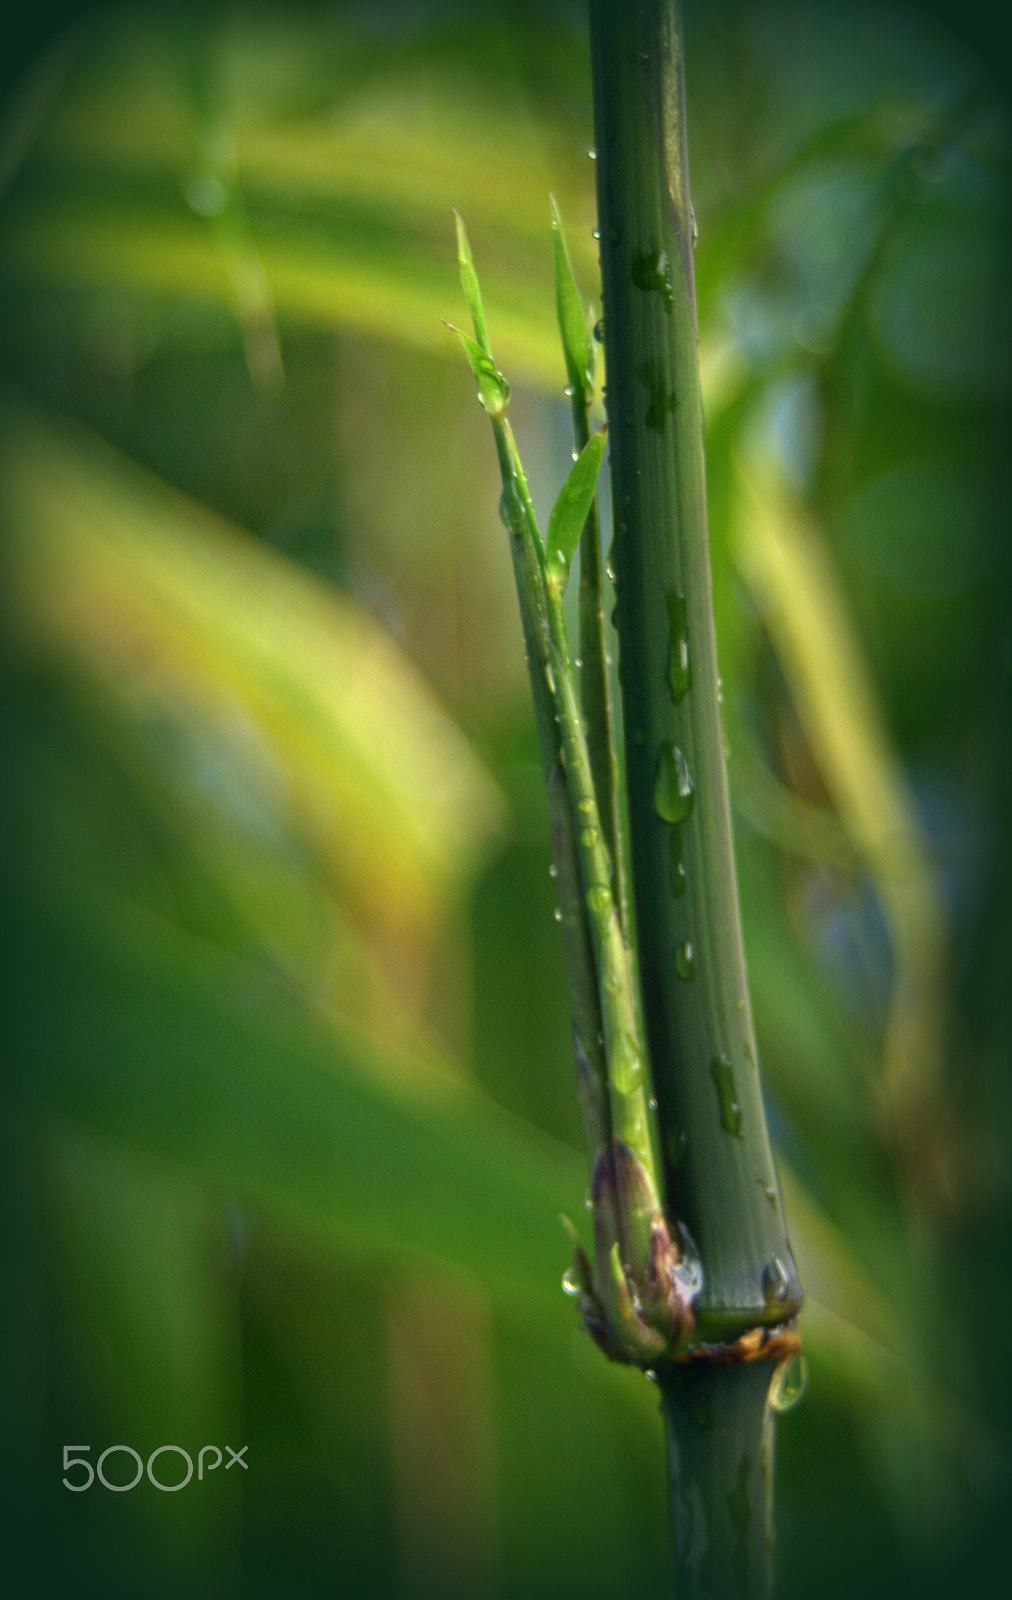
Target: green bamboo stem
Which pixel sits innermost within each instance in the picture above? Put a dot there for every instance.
(719, 1175)
(718, 1168)
(719, 1426)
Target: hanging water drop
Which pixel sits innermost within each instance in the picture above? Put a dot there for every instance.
(685, 961)
(678, 878)
(722, 1073)
(673, 793)
(790, 1384)
(679, 668)
(775, 1282)
(599, 902)
(651, 272)
(570, 1282)
(625, 1068)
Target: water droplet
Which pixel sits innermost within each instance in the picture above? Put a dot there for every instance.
(553, 871)
(588, 1199)
(652, 1102)
(685, 961)
(775, 1282)
(586, 806)
(650, 1375)
(789, 1384)
(678, 878)
(625, 1068)
(592, 153)
(769, 1191)
(599, 902)
(663, 398)
(694, 225)
(679, 668)
(651, 272)
(570, 1282)
(673, 794)
(596, 234)
(722, 1073)
(689, 1271)
(599, 331)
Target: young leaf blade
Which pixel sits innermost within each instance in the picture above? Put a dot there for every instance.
(569, 512)
(576, 341)
(469, 280)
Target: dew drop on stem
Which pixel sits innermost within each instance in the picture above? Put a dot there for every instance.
(679, 666)
(722, 1073)
(673, 793)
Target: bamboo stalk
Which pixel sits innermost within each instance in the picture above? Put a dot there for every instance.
(719, 1174)
(719, 1178)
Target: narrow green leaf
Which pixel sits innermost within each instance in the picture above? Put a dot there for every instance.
(576, 341)
(570, 510)
(493, 389)
(472, 293)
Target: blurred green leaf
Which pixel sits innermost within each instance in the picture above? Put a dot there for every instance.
(163, 604)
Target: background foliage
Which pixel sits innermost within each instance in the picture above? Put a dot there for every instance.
(290, 1117)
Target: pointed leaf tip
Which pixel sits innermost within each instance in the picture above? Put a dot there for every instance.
(469, 282)
(577, 344)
